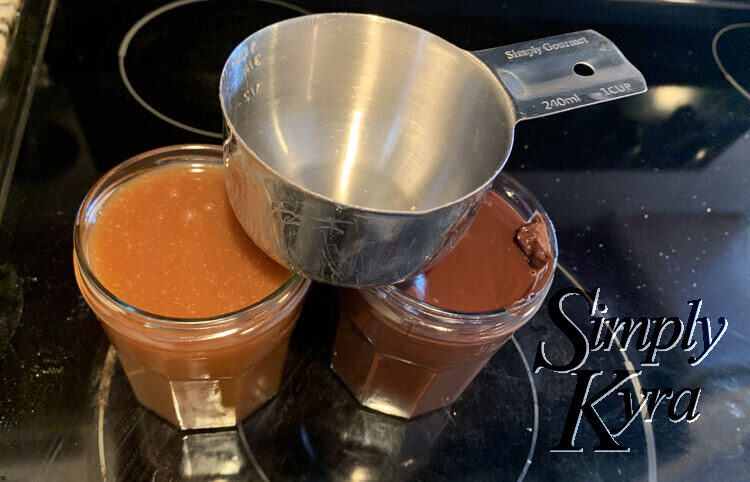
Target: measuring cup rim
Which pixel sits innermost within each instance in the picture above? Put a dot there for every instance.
(503, 156)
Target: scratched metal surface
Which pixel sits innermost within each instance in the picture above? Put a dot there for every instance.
(648, 196)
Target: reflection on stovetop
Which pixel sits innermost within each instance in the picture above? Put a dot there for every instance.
(315, 429)
(11, 304)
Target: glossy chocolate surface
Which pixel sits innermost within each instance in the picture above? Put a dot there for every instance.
(489, 268)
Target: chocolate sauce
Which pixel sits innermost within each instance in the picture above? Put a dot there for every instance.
(390, 369)
(398, 357)
(494, 265)
(533, 241)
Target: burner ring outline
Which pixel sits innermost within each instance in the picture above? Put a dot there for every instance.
(714, 51)
(122, 52)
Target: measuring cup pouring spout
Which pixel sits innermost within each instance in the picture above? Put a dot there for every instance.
(359, 148)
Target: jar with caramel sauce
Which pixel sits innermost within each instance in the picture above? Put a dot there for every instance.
(200, 318)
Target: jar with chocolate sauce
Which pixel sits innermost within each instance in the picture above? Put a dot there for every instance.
(414, 347)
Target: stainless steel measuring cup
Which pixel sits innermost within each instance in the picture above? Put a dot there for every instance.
(358, 148)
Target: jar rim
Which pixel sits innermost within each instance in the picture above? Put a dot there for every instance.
(503, 185)
(162, 155)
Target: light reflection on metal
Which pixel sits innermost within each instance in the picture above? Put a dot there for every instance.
(419, 283)
(271, 84)
(351, 154)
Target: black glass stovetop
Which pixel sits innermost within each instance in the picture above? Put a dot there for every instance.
(648, 195)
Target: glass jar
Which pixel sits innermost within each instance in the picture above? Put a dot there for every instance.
(405, 357)
(198, 372)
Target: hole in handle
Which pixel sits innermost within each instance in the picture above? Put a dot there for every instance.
(583, 69)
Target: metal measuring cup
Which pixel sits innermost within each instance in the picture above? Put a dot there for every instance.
(359, 148)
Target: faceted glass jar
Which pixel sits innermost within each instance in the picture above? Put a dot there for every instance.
(405, 357)
(199, 372)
